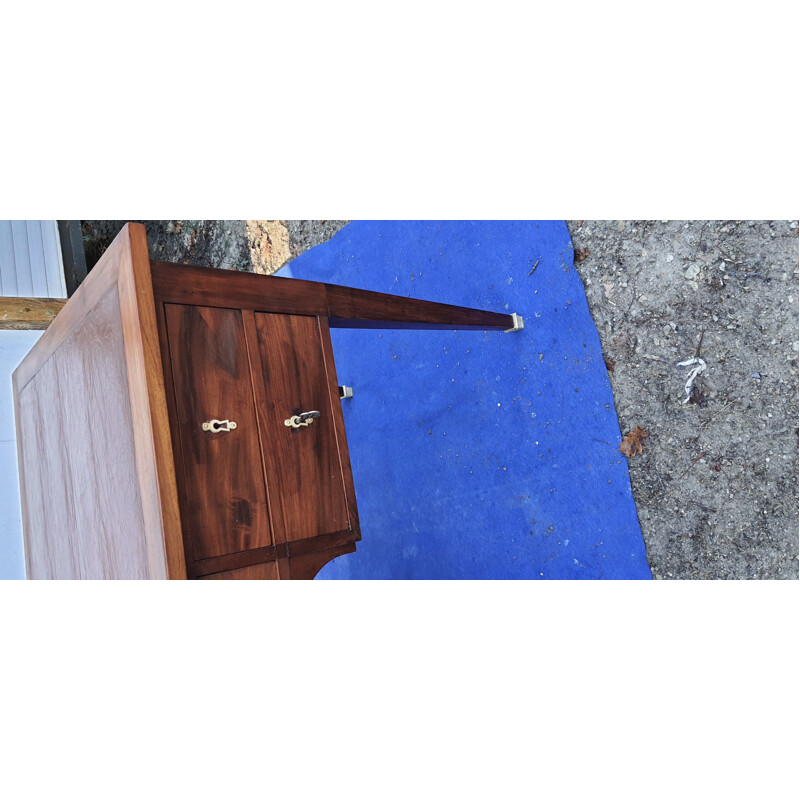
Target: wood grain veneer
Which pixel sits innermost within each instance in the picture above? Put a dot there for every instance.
(225, 507)
(177, 283)
(334, 402)
(344, 306)
(97, 481)
(84, 411)
(302, 464)
(154, 458)
(358, 308)
(258, 572)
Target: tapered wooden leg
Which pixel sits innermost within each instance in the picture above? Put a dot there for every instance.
(358, 308)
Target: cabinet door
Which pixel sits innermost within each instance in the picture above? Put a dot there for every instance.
(303, 466)
(224, 502)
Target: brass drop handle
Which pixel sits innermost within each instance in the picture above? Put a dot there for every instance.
(219, 426)
(301, 420)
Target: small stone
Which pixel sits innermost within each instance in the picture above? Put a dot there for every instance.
(692, 271)
(756, 375)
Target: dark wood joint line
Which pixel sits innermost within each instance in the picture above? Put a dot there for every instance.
(260, 555)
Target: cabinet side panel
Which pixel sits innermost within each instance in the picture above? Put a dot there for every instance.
(338, 421)
(82, 503)
(49, 553)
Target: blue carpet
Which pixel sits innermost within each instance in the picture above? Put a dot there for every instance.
(479, 454)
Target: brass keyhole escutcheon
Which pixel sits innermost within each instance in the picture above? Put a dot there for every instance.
(219, 426)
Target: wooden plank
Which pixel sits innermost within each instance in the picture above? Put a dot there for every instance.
(338, 422)
(75, 367)
(47, 554)
(302, 464)
(324, 542)
(93, 397)
(82, 505)
(172, 415)
(347, 307)
(21, 460)
(155, 464)
(357, 308)
(226, 505)
(245, 558)
(259, 572)
(222, 288)
(305, 568)
(279, 552)
(259, 399)
(28, 313)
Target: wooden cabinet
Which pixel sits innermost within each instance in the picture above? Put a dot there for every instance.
(154, 421)
(262, 485)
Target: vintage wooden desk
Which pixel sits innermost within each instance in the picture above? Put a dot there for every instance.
(164, 421)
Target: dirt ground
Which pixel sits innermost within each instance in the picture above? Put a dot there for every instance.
(716, 482)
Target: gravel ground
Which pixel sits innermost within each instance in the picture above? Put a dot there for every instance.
(306, 233)
(716, 482)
